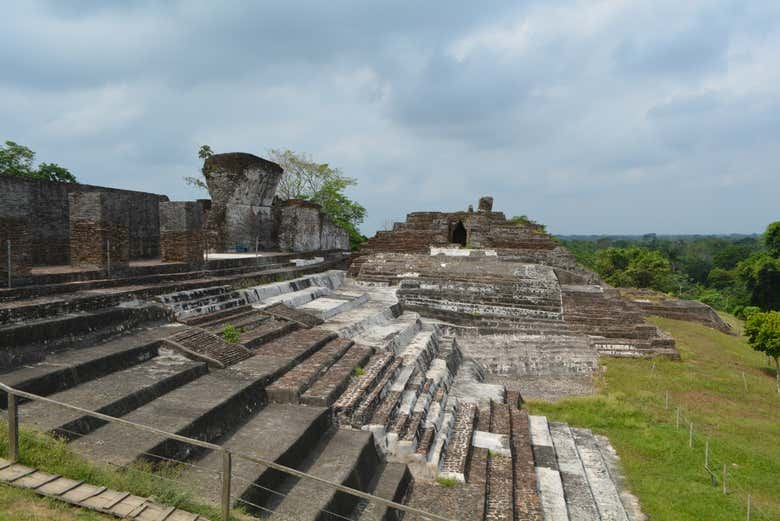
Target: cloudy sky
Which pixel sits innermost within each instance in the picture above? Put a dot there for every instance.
(616, 116)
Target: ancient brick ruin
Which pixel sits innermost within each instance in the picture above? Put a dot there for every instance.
(52, 226)
(384, 371)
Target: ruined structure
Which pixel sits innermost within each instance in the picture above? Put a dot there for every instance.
(245, 215)
(410, 367)
(54, 228)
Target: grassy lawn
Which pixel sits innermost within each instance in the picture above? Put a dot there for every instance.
(741, 425)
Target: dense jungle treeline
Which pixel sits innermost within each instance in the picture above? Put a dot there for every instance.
(730, 273)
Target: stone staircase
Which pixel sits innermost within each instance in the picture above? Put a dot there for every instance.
(363, 394)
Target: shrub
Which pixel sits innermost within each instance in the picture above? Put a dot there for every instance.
(446, 482)
(231, 334)
(359, 371)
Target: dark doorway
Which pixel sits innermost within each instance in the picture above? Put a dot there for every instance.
(459, 234)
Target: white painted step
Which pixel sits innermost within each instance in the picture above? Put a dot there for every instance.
(579, 498)
(603, 488)
(549, 478)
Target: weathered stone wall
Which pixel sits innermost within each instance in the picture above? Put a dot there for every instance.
(242, 188)
(15, 227)
(99, 230)
(48, 213)
(181, 232)
(301, 226)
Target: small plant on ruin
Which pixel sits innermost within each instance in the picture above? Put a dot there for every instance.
(446, 482)
(231, 334)
(359, 371)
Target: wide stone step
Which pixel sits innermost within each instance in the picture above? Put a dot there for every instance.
(393, 335)
(350, 459)
(282, 311)
(29, 342)
(292, 385)
(551, 491)
(602, 487)
(267, 331)
(65, 369)
(579, 498)
(329, 306)
(328, 387)
(281, 433)
(115, 394)
(393, 483)
(206, 408)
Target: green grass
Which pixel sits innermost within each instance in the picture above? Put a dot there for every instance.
(23, 505)
(446, 482)
(52, 455)
(742, 426)
(359, 371)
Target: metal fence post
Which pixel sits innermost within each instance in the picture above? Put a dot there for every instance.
(10, 274)
(725, 490)
(108, 257)
(748, 508)
(227, 470)
(707, 454)
(667, 400)
(13, 429)
(677, 420)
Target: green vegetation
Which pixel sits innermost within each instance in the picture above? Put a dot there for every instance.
(17, 161)
(321, 184)
(763, 332)
(728, 273)
(526, 222)
(738, 417)
(24, 505)
(359, 371)
(52, 455)
(231, 334)
(446, 482)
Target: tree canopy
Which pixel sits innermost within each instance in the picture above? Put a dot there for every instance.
(763, 332)
(634, 267)
(321, 184)
(18, 161)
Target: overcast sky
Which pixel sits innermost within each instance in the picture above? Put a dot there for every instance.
(591, 116)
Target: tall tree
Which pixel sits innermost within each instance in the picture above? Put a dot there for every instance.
(763, 332)
(17, 161)
(320, 183)
(772, 239)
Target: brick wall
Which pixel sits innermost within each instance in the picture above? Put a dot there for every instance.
(181, 232)
(99, 230)
(48, 211)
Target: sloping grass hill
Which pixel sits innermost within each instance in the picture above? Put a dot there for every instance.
(726, 390)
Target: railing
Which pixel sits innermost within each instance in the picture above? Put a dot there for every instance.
(228, 456)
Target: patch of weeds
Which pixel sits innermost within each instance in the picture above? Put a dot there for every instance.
(359, 371)
(446, 482)
(231, 334)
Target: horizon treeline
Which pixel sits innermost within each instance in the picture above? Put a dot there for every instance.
(728, 272)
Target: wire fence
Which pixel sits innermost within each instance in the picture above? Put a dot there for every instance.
(722, 474)
(190, 470)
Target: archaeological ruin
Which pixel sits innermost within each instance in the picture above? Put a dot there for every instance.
(243, 321)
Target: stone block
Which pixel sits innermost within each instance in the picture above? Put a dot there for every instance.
(181, 232)
(242, 188)
(99, 230)
(15, 227)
